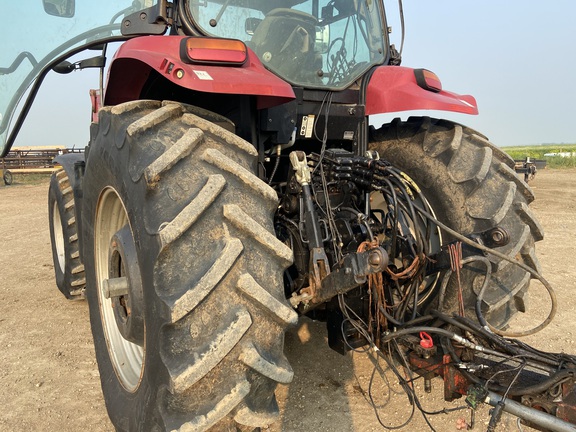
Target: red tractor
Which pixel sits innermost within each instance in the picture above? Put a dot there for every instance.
(232, 182)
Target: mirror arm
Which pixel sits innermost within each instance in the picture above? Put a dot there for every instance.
(66, 67)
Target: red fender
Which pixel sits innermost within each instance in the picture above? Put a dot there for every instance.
(394, 88)
(137, 57)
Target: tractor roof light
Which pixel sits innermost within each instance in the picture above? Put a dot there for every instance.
(428, 80)
(203, 50)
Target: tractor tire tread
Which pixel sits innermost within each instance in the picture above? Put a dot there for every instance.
(220, 333)
(71, 280)
(481, 191)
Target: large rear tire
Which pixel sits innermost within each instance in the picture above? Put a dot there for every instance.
(68, 268)
(472, 187)
(180, 231)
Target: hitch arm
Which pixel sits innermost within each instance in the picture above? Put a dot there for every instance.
(319, 266)
(352, 271)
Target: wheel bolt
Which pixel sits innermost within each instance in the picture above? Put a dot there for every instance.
(500, 237)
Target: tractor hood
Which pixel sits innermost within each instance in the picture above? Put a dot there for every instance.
(39, 35)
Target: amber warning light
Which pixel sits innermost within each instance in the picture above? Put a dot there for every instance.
(202, 50)
(428, 80)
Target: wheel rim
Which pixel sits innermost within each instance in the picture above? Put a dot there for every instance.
(127, 358)
(58, 236)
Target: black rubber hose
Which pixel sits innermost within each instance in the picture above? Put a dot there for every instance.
(542, 386)
(510, 348)
(390, 317)
(480, 296)
(517, 391)
(450, 320)
(549, 289)
(416, 321)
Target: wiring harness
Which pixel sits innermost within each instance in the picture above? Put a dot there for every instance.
(400, 298)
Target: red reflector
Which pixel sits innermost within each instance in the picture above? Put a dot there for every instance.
(428, 80)
(213, 51)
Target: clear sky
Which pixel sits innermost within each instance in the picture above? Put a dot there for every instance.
(518, 58)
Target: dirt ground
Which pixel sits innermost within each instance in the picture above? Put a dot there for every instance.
(49, 379)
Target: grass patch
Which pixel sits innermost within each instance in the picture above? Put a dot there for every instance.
(538, 152)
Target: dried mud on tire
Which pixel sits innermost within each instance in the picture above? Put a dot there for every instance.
(48, 372)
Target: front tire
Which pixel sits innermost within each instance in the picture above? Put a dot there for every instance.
(472, 187)
(179, 232)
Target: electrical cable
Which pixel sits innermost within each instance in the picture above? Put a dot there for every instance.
(498, 254)
(466, 324)
(410, 297)
(410, 389)
(276, 165)
(407, 235)
(518, 368)
(549, 289)
(412, 397)
(410, 416)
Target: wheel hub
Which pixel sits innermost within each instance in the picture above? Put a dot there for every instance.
(124, 287)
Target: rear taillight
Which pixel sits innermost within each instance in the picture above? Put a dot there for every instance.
(203, 50)
(428, 80)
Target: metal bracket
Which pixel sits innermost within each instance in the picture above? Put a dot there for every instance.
(300, 166)
(66, 67)
(352, 272)
(149, 21)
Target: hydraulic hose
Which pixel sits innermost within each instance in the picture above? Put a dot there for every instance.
(549, 289)
(534, 389)
(443, 332)
(467, 325)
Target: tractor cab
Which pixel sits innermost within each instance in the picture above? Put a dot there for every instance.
(313, 44)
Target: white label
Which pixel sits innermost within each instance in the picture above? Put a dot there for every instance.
(307, 126)
(203, 75)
